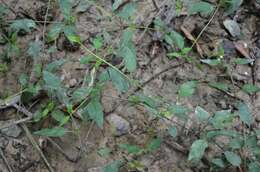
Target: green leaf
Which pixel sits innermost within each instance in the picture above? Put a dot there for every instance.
(116, 4)
(23, 79)
(23, 24)
(104, 152)
(127, 11)
(218, 162)
(243, 61)
(98, 43)
(131, 149)
(235, 143)
(80, 94)
(201, 114)
(70, 33)
(154, 145)
(65, 7)
(211, 62)
(83, 6)
(3, 10)
(127, 50)
(86, 59)
(257, 132)
(51, 81)
(34, 49)
(104, 76)
(178, 110)
(55, 65)
(222, 119)
(112, 167)
(250, 141)
(250, 88)
(228, 133)
(175, 38)
(55, 31)
(232, 158)
(232, 6)
(201, 7)
(51, 132)
(219, 86)
(244, 113)
(58, 115)
(118, 80)
(94, 109)
(187, 89)
(254, 167)
(197, 150)
(173, 131)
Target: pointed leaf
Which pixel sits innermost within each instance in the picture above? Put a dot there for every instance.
(154, 144)
(131, 149)
(187, 89)
(197, 150)
(94, 109)
(244, 114)
(55, 31)
(127, 50)
(173, 131)
(250, 89)
(201, 114)
(204, 8)
(23, 24)
(51, 81)
(51, 132)
(112, 167)
(118, 80)
(232, 158)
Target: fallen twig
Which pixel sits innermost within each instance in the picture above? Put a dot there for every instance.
(5, 160)
(36, 146)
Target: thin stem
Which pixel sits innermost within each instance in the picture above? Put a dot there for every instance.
(205, 27)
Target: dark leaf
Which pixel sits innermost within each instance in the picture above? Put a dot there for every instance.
(233, 158)
(51, 132)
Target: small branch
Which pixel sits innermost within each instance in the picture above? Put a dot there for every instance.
(205, 27)
(23, 120)
(45, 19)
(5, 160)
(155, 5)
(36, 146)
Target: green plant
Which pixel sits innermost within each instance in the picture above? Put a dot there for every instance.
(239, 148)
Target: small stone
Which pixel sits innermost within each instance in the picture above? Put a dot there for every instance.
(120, 125)
(95, 169)
(72, 82)
(12, 131)
(232, 27)
(257, 118)
(223, 104)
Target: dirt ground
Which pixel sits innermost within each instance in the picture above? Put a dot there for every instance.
(22, 156)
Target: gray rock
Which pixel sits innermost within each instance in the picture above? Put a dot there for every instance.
(120, 125)
(12, 131)
(232, 27)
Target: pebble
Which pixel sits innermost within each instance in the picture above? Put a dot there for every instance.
(232, 27)
(120, 125)
(12, 131)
